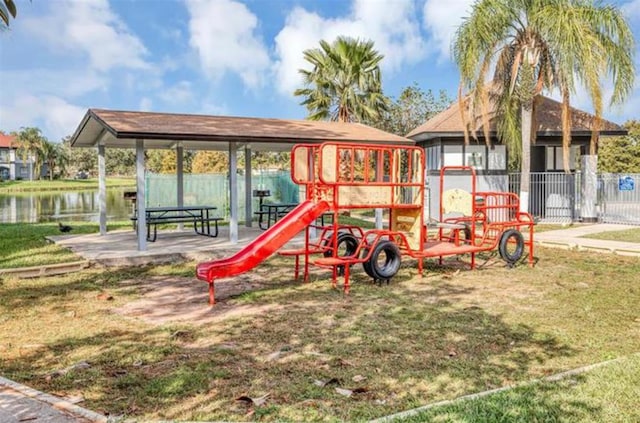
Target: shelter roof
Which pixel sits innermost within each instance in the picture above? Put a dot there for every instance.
(116, 128)
(548, 120)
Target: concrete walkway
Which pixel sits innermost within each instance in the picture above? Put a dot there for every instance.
(571, 238)
(19, 403)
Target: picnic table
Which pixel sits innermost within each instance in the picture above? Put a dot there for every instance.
(199, 216)
(270, 213)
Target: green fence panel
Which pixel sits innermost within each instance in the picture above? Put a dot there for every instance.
(213, 189)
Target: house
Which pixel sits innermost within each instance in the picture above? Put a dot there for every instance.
(442, 137)
(11, 164)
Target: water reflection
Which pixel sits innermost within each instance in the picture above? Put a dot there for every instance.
(62, 206)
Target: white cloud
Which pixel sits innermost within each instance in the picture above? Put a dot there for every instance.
(441, 19)
(62, 82)
(223, 32)
(89, 27)
(179, 93)
(145, 104)
(56, 117)
(393, 27)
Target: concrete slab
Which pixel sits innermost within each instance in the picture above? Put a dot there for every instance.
(119, 248)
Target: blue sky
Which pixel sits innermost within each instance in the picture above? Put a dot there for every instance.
(227, 57)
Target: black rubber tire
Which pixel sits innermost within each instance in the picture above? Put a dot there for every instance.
(391, 264)
(346, 240)
(511, 235)
(366, 265)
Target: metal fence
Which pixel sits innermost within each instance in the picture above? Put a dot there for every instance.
(213, 189)
(553, 197)
(619, 198)
(556, 197)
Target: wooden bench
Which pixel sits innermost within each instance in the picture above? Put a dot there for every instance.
(199, 216)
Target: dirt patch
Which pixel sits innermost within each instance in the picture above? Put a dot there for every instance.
(173, 299)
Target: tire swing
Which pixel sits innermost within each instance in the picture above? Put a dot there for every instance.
(384, 262)
(347, 246)
(507, 252)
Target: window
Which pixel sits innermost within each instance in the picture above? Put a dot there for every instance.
(554, 156)
(497, 157)
(433, 157)
(452, 155)
(474, 156)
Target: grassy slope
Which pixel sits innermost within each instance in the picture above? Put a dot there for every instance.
(7, 187)
(25, 245)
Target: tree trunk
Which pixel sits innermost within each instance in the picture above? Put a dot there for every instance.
(525, 165)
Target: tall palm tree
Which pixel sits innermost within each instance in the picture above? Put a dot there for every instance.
(55, 155)
(30, 141)
(7, 11)
(535, 45)
(345, 83)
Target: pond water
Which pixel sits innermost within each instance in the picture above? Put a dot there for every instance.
(54, 206)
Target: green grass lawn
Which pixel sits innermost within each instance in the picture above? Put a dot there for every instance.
(627, 235)
(25, 245)
(416, 341)
(606, 394)
(7, 187)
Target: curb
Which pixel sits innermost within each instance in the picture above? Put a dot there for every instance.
(590, 248)
(46, 270)
(55, 402)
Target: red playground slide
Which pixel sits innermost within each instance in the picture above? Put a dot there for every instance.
(263, 246)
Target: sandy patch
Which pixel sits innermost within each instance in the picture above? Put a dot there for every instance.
(173, 299)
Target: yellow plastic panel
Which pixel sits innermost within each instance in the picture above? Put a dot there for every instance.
(328, 155)
(364, 195)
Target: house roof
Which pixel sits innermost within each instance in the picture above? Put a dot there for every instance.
(6, 140)
(200, 132)
(548, 119)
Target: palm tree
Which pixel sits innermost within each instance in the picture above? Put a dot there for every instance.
(30, 142)
(7, 11)
(345, 83)
(55, 155)
(535, 45)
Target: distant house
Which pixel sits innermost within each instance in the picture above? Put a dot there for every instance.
(11, 164)
(442, 137)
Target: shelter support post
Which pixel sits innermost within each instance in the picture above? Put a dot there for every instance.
(141, 200)
(248, 212)
(233, 193)
(180, 179)
(102, 189)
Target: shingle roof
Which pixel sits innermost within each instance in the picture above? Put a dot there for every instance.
(128, 125)
(7, 140)
(548, 118)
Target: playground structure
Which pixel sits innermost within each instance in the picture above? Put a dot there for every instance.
(339, 177)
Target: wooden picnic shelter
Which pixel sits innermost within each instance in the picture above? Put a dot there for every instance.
(141, 131)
